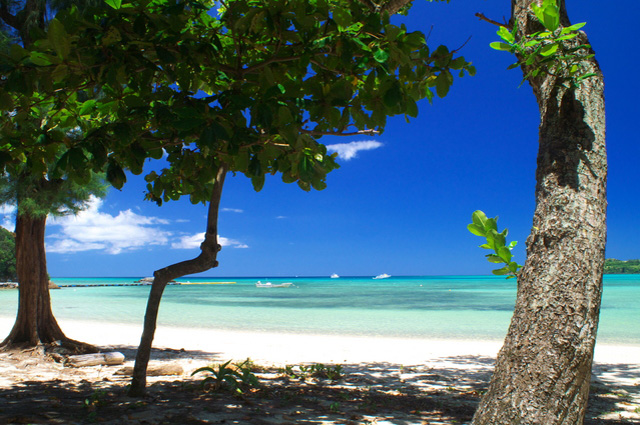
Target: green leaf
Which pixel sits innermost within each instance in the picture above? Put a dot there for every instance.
(567, 37)
(541, 10)
(114, 3)
(381, 56)
(492, 258)
(498, 45)
(479, 218)
(6, 101)
(393, 96)
(115, 175)
(59, 38)
(501, 272)
(258, 182)
(471, 70)
(40, 59)
(443, 84)
(576, 27)
(492, 226)
(505, 254)
(551, 17)
(18, 52)
(457, 63)
(476, 230)
(504, 34)
(582, 77)
(513, 267)
(165, 55)
(549, 49)
(60, 73)
(342, 17)
(87, 107)
(77, 158)
(412, 108)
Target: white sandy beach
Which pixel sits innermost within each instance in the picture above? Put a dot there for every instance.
(449, 371)
(278, 348)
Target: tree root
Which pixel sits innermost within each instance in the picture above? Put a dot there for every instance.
(65, 346)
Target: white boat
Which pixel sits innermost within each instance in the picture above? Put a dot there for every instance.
(335, 276)
(273, 285)
(144, 280)
(382, 276)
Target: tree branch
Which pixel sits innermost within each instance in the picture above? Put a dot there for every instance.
(491, 21)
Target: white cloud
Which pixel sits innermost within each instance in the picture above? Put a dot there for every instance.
(194, 241)
(94, 230)
(7, 209)
(349, 151)
(231, 242)
(7, 213)
(235, 210)
(189, 242)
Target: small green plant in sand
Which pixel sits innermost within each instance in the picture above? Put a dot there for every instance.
(93, 403)
(235, 378)
(317, 371)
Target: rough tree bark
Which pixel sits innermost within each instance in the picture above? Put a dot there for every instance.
(35, 323)
(543, 370)
(205, 261)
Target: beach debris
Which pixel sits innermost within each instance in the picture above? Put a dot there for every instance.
(164, 369)
(8, 285)
(95, 359)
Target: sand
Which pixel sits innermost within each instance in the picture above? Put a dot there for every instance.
(280, 348)
(453, 372)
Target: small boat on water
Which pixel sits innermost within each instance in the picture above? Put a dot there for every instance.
(144, 280)
(273, 285)
(382, 276)
(335, 276)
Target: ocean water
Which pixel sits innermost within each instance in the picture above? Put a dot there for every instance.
(469, 307)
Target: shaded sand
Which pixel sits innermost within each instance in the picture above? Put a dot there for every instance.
(387, 380)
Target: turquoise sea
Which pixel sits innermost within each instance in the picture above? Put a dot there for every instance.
(469, 307)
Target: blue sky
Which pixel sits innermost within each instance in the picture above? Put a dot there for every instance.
(400, 206)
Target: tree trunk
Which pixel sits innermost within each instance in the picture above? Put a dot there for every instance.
(35, 322)
(543, 371)
(205, 261)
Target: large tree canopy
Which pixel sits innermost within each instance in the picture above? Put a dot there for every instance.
(253, 86)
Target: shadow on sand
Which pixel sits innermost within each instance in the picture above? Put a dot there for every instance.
(444, 391)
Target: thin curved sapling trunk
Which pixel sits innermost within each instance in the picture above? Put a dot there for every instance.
(203, 262)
